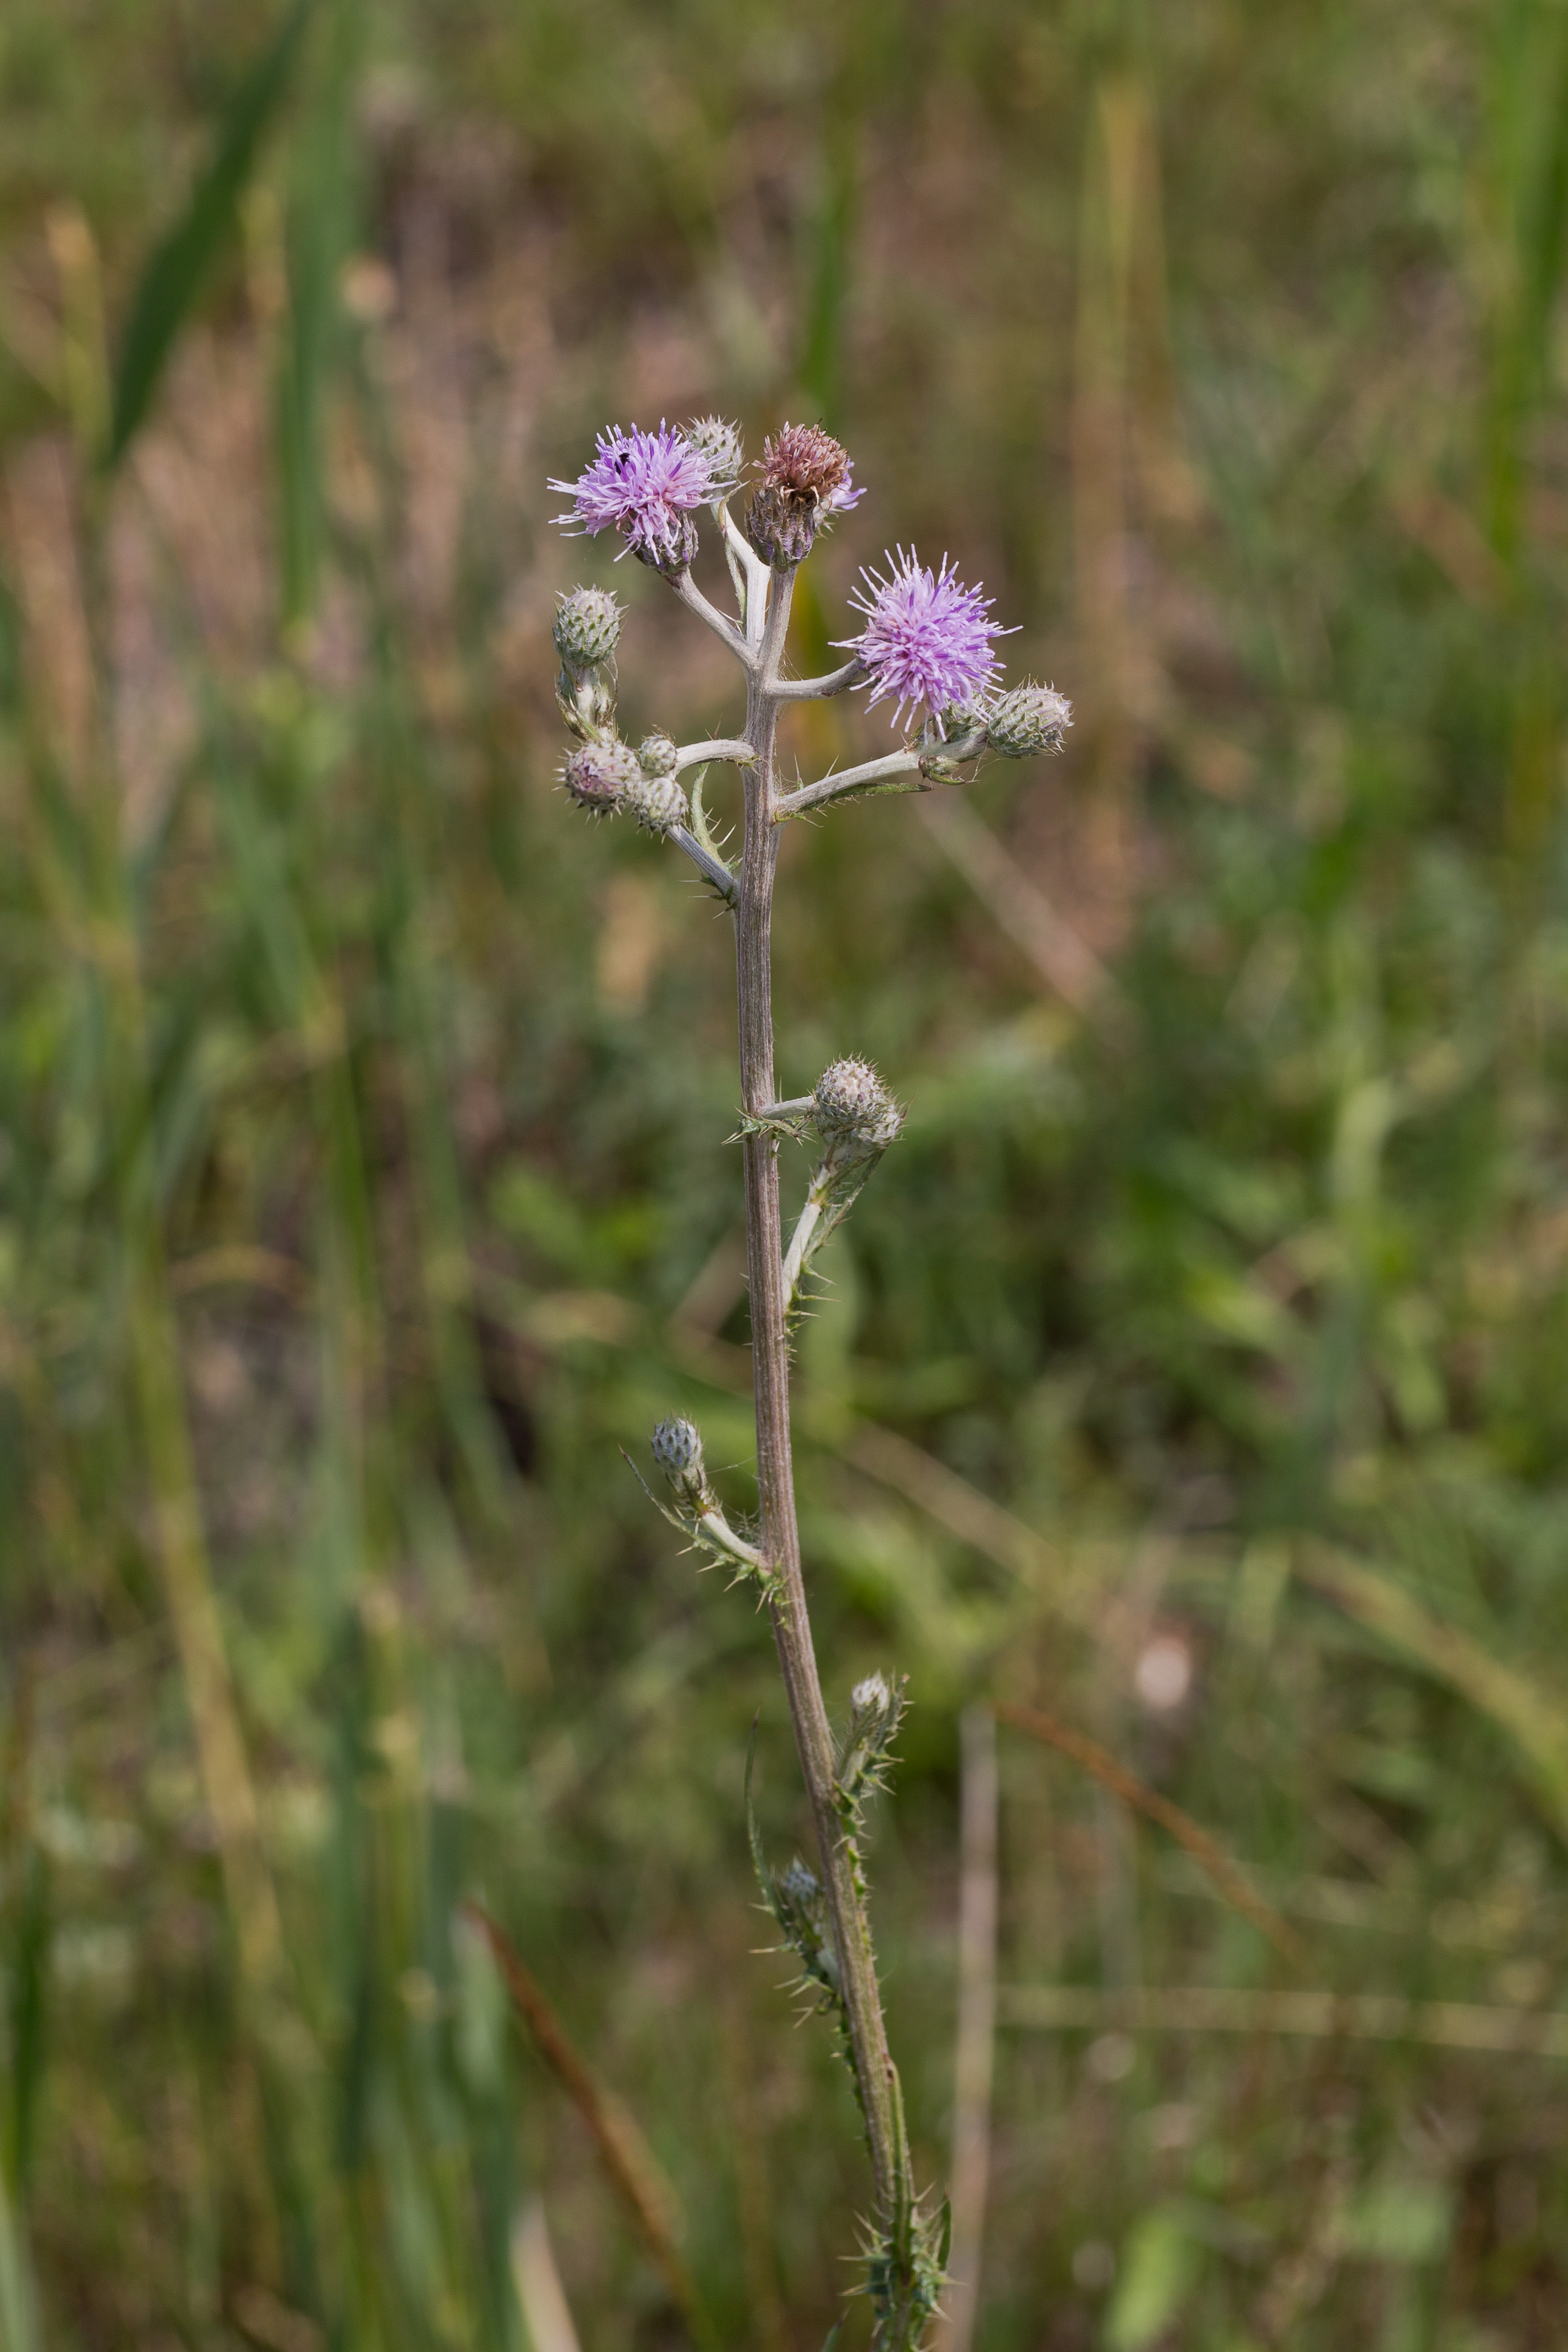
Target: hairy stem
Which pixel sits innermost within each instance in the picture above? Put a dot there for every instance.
(874, 2069)
(849, 781)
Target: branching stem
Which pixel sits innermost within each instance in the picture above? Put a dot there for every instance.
(693, 599)
(877, 2079)
(815, 689)
(733, 748)
(711, 868)
(870, 775)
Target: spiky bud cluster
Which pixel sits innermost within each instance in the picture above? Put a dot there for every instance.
(1028, 719)
(657, 802)
(600, 777)
(806, 480)
(657, 755)
(852, 1106)
(587, 627)
(722, 445)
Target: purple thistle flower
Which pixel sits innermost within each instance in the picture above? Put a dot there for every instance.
(645, 485)
(926, 639)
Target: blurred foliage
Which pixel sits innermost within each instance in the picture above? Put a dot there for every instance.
(363, 1179)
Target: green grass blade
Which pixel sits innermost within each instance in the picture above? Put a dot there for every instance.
(174, 277)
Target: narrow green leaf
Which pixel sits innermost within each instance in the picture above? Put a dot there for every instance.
(174, 277)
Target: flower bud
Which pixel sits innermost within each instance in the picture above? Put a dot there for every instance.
(659, 804)
(801, 1888)
(852, 1105)
(657, 755)
(676, 1445)
(1028, 720)
(587, 627)
(719, 442)
(600, 777)
(869, 1702)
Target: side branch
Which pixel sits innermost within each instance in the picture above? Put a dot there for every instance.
(733, 748)
(745, 560)
(693, 599)
(872, 775)
(817, 689)
(711, 868)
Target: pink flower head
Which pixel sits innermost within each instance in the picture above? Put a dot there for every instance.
(927, 639)
(645, 485)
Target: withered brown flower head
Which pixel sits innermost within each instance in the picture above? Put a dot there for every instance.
(807, 479)
(804, 460)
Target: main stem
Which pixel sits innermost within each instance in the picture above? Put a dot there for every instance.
(776, 1475)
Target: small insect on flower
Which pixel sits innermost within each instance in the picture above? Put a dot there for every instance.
(926, 639)
(807, 479)
(1028, 719)
(600, 776)
(647, 486)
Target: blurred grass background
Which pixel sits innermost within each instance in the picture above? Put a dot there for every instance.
(1196, 1368)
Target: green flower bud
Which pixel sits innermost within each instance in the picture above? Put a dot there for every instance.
(1029, 719)
(587, 627)
(657, 802)
(657, 755)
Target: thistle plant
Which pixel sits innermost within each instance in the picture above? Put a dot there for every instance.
(926, 647)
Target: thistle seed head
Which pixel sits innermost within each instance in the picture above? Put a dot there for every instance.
(587, 627)
(806, 460)
(659, 804)
(657, 756)
(676, 1446)
(1028, 720)
(600, 777)
(719, 442)
(807, 479)
(852, 1105)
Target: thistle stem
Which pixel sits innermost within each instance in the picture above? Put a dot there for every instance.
(877, 2079)
(866, 776)
(805, 1225)
(817, 689)
(713, 870)
(693, 599)
(731, 748)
